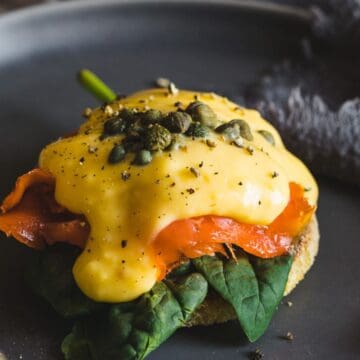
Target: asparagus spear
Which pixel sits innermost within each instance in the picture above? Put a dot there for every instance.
(95, 86)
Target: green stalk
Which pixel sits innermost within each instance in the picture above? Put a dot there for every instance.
(95, 86)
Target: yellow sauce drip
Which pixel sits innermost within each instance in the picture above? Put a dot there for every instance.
(125, 215)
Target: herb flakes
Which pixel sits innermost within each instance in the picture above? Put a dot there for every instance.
(108, 110)
(173, 90)
(210, 143)
(195, 172)
(250, 150)
(289, 336)
(125, 175)
(162, 82)
(256, 355)
(87, 112)
(92, 149)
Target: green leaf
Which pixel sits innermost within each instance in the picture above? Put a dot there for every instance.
(130, 331)
(253, 286)
(50, 276)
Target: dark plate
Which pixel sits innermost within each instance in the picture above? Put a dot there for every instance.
(218, 46)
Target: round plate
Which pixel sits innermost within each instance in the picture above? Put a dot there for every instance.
(216, 46)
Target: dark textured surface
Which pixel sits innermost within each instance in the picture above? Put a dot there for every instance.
(337, 21)
(314, 99)
(7, 5)
(206, 47)
(316, 107)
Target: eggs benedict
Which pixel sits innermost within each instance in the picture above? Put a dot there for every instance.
(164, 185)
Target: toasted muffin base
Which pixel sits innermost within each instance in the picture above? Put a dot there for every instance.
(215, 310)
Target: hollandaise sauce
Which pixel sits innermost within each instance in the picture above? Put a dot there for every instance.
(130, 185)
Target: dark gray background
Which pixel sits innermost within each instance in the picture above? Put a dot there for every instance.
(213, 47)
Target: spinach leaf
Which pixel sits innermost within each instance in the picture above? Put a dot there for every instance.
(253, 286)
(50, 276)
(130, 331)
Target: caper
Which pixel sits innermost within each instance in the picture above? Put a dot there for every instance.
(135, 127)
(230, 129)
(197, 130)
(235, 128)
(133, 143)
(239, 142)
(177, 122)
(268, 136)
(117, 154)
(245, 130)
(128, 114)
(103, 136)
(203, 114)
(142, 157)
(115, 126)
(151, 116)
(157, 138)
(177, 142)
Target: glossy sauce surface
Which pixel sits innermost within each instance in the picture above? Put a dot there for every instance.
(125, 216)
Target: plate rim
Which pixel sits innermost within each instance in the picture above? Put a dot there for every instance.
(302, 14)
(39, 10)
